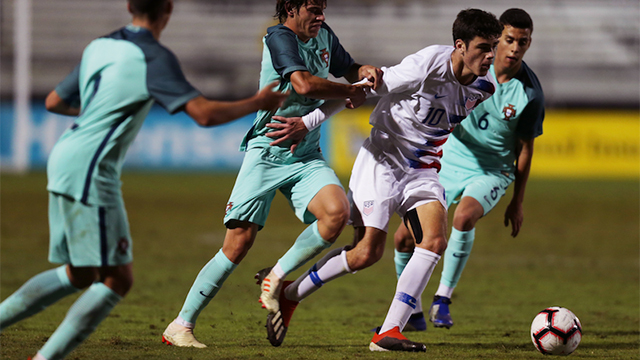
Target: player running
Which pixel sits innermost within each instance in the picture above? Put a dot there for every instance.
(484, 155)
(117, 81)
(300, 52)
(423, 99)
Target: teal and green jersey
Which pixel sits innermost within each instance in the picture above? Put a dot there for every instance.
(118, 79)
(283, 53)
(488, 137)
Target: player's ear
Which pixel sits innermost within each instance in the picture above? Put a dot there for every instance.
(289, 8)
(460, 46)
(169, 7)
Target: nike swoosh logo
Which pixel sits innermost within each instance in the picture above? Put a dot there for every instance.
(458, 255)
(211, 297)
(439, 97)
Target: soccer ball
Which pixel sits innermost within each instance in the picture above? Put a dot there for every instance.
(556, 331)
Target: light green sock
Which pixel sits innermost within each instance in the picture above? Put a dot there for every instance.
(456, 256)
(35, 295)
(401, 259)
(308, 244)
(206, 286)
(82, 319)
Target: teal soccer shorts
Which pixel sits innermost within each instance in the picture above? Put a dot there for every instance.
(262, 173)
(486, 187)
(86, 235)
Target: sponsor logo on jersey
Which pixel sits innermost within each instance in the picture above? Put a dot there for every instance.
(439, 96)
(368, 207)
(509, 111)
(228, 208)
(324, 55)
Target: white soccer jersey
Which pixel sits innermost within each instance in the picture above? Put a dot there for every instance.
(422, 101)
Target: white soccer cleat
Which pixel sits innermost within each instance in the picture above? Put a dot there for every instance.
(270, 286)
(178, 335)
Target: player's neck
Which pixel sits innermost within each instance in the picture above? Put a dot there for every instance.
(154, 27)
(506, 73)
(463, 74)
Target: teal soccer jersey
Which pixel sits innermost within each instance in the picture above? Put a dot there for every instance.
(118, 79)
(488, 137)
(283, 54)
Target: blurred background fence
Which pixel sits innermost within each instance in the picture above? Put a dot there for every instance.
(585, 53)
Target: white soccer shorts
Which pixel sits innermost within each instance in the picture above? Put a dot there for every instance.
(378, 188)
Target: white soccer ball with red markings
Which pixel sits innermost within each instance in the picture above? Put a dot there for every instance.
(556, 331)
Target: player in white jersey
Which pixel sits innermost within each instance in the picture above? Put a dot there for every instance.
(423, 99)
(491, 149)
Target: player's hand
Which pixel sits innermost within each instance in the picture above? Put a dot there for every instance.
(292, 129)
(359, 95)
(269, 99)
(371, 73)
(515, 215)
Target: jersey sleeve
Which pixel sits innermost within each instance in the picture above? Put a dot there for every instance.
(167, 84)
(341, 60)
(530, 124)
(69, 88)
(283, 47)
(408, 75)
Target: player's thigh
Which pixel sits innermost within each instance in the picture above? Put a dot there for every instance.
(487, 189)
(254, 189)
(453, 180)
(311, 177)
(94, 236)
(374, 191)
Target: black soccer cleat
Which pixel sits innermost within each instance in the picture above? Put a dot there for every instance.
(276, 331)
(393, 340)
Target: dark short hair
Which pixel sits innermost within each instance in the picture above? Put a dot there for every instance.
(281, 7)
(475, 22)
(517, 18)
(150, 8)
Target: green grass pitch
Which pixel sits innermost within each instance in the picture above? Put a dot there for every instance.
(579, 248)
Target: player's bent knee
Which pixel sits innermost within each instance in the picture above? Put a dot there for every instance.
(437, 245)
(82, 277)
(367, 257)
(464, 222)
(118, 278)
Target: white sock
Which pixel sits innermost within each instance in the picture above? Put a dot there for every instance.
(331, 266)
(411, 284)
(418, 308)
(444, 291)
(277, 271)
(182, 322)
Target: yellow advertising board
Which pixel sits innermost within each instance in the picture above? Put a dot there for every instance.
(575, 144)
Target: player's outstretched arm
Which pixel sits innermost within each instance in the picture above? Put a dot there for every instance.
(55, 104)
(211, 112)
(514, 212)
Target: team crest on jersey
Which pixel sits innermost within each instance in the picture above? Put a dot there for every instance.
(367, 207)
(324, 55)
(509, 111)
(123, 245)
(471, 102)
(228, 208)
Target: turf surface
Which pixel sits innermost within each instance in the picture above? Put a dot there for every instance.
(579, 248)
